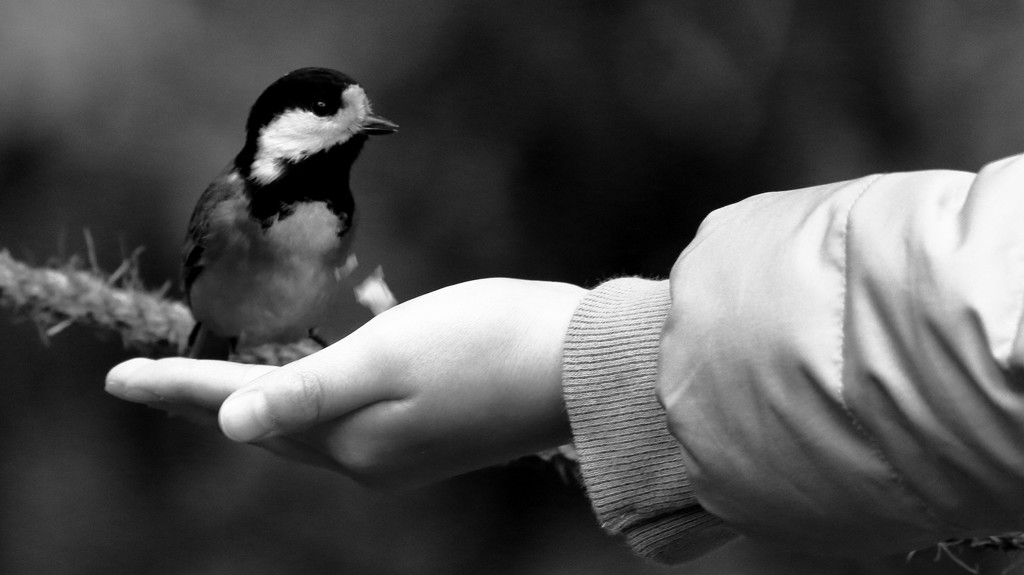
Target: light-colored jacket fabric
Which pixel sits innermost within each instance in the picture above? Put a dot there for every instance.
(839, 368)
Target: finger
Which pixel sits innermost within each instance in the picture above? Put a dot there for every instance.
(323, 386)
(203, 383)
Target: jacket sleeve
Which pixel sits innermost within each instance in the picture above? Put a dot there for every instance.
(840, 369)
(842, 366)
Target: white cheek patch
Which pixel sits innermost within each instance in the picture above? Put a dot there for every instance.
(355, 100)
(298, 133)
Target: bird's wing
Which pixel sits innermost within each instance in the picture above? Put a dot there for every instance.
(227, 185)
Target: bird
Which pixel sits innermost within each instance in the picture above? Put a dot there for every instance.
(268, 237)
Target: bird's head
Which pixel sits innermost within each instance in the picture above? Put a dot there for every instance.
(306, 112)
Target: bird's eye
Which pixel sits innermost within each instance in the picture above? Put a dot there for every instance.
(321, 108)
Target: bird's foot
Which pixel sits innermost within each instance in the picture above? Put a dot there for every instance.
(315, 336)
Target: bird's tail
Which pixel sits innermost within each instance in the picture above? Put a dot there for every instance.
(204, 344)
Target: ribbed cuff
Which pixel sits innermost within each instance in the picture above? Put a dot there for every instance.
(631, 464)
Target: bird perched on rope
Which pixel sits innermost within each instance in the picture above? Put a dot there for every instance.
(269, 235)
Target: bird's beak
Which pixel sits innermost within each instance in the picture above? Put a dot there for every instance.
(377, 126)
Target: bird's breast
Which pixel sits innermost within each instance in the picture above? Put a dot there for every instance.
(304, 231)
(308, 228)
(270, 282)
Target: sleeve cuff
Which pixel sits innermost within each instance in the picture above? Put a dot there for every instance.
(631, 464)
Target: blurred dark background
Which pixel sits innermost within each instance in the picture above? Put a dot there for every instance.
(569, 141)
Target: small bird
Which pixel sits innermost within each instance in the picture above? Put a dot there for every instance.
(269, 235)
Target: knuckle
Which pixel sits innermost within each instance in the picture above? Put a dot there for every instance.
(363, 461)
(306, 397)
(369, 465)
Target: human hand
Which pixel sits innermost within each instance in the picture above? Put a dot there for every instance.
(455, 380)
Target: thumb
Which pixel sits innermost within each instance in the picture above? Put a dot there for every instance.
(320, 387)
